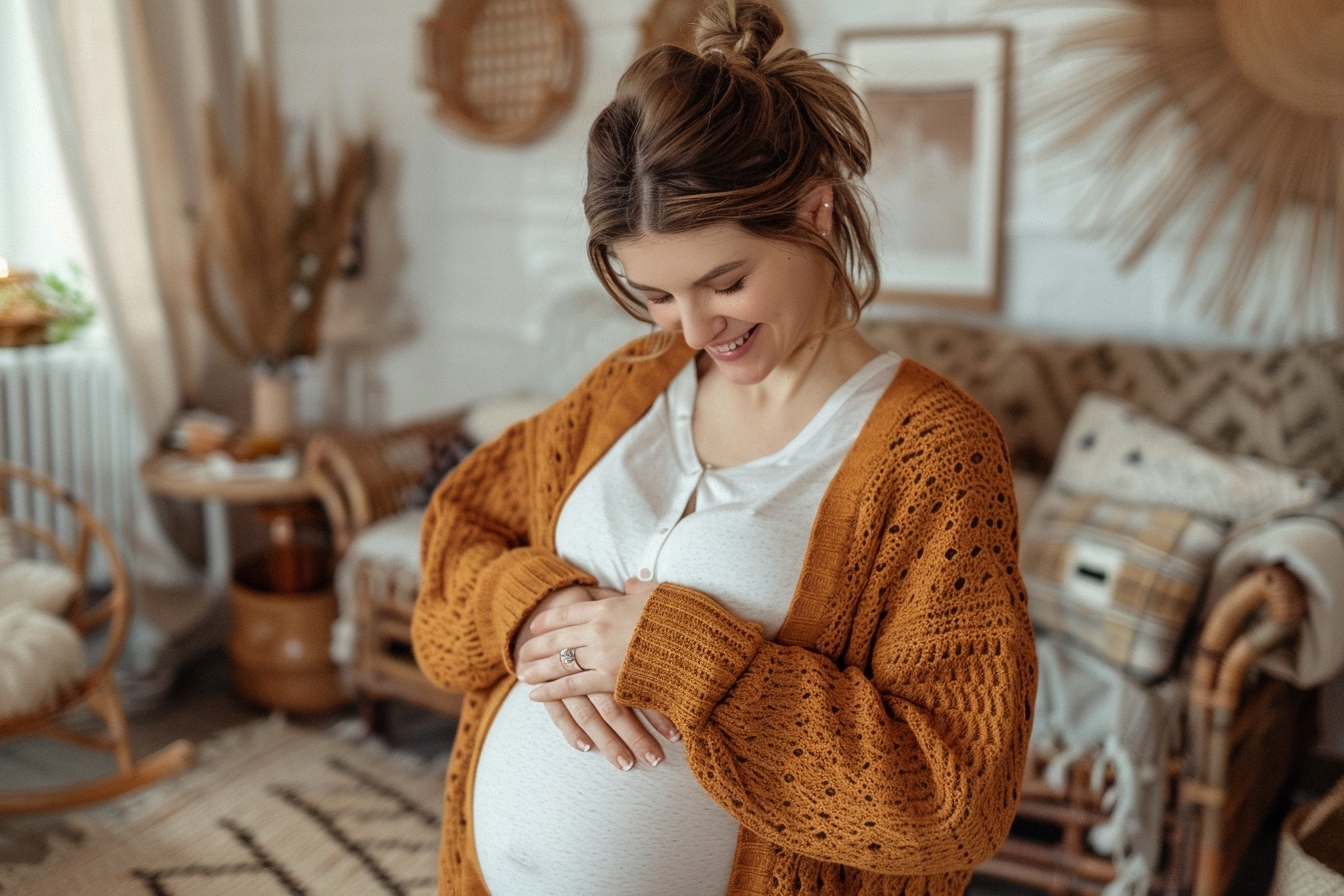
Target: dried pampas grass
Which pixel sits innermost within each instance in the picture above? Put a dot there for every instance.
(271, 240)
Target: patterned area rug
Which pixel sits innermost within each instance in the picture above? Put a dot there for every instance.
(270, 809)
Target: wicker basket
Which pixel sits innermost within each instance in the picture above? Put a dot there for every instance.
(24, 323)
(1311, 849)
(504, 71)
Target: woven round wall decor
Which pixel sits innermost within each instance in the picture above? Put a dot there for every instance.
(673, 22)
(503, 71)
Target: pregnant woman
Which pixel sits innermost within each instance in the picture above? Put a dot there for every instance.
(741, 614)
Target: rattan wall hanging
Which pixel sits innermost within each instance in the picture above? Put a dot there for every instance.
(673, 22)
(503, 71)
(1250, 94)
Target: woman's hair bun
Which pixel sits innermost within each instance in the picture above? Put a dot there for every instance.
(744, 31)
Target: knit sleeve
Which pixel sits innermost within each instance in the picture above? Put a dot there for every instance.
(481, 575)
(904, 753)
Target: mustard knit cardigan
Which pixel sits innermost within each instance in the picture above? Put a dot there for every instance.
(878, 743)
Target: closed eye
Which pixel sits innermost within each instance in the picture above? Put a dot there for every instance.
(657, 300)
(736, 287)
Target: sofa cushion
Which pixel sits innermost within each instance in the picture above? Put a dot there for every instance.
(1116, 551)
(1121, 580)
(1112, 449)
(1280, 404)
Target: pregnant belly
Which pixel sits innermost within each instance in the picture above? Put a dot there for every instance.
(549, 819)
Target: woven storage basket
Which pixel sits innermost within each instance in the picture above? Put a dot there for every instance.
(1311, 849)
(673, 22)
(504, 71)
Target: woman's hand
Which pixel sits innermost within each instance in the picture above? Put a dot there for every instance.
(595, 719)
(599, 633)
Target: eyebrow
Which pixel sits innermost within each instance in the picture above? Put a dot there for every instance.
(716, 272)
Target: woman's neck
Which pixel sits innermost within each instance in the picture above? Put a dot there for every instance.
(734, 424)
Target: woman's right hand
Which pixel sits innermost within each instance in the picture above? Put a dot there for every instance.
(597, 719)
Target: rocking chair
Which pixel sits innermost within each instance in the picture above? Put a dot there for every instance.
(39, 640)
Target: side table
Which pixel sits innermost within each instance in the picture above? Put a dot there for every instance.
(282, 604)
(174, 475)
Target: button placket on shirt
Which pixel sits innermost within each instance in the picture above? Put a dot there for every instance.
(649, 563)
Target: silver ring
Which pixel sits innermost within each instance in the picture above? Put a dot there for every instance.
(569, 660)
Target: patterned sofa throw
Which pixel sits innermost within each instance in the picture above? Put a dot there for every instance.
(1117, 549)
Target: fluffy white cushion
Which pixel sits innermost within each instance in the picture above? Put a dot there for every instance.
(48, 587)
(41, 658)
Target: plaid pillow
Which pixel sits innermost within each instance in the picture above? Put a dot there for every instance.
(1121, 580)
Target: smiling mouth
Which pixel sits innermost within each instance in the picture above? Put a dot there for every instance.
(728, 347)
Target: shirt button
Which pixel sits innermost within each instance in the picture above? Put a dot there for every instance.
(645, 574)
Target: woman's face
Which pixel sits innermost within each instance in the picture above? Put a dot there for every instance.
(748, 302)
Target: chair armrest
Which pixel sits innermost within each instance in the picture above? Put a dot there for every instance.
(361, 477)
(1262, 611)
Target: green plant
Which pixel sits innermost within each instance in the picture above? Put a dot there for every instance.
(65, 298)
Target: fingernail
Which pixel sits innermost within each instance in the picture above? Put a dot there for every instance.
(584, 746)
(674, 736)
(626, 763)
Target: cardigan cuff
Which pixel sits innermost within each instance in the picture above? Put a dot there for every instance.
(686, 652)
(528, 575)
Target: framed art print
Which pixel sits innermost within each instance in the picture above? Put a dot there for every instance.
(937, 99)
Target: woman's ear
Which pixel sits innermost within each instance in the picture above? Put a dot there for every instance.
(818, 209)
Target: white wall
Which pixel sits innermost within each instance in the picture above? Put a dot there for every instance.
(488, 238)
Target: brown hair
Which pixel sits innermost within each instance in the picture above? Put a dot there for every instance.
(731, 134)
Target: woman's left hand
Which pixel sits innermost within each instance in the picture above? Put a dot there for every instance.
(599, 632)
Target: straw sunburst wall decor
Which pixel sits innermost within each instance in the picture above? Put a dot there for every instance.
(1250, 93)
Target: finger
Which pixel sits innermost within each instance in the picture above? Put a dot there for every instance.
(661, 723)
(562, 616)
(629, 728)
(569, 729)
(608, 742)
(544, 664)
(543, 647)
(578, 684)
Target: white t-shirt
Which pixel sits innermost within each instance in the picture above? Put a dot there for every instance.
(548, 818)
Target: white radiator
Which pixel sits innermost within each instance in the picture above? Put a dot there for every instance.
(67, 415)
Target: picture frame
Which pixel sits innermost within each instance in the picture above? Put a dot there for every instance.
(938, 101)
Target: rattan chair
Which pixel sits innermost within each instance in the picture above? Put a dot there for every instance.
(1244, 734)
(362, 477)
(69, 535)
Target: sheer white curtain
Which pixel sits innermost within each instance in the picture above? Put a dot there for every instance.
(126, 81)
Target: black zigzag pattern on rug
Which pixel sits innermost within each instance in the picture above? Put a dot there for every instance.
(331, 810)
(156, 881)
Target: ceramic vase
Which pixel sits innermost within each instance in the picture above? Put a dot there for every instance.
(273, 401)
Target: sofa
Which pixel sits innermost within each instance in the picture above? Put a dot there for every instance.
(1201, 715)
